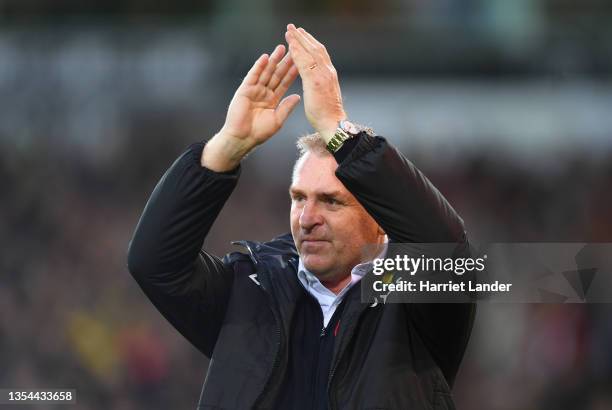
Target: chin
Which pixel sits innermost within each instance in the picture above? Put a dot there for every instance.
(316, 264)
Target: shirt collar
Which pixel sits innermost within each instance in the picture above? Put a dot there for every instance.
(310, 281)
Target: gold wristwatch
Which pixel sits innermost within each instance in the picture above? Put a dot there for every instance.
(346, 130)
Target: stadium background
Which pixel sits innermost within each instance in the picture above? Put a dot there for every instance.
(506, 105)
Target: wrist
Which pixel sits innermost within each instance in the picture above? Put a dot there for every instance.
(328, 128)
(345, 131)
(223, 152)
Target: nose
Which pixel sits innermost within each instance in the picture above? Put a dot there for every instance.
(310, 216)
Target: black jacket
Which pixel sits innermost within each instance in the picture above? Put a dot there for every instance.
(237, 310)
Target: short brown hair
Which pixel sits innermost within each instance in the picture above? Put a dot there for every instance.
(311, 143)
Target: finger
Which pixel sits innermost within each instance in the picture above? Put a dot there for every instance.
(281, 70)
(275, 57)
(285, 107)
(286, 82)
(307, 44)
(302, 59)
(256, 70)
(320, 47)
(309, 36)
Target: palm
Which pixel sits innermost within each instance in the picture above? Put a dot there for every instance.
(252, 113)
(256, 111)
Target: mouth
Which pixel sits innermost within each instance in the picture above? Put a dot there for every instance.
(313, 240)
(312, 244)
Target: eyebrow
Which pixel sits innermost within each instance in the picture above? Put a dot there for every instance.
(328, 194)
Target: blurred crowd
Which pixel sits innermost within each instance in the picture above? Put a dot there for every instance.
(72, 317)
(93, 111)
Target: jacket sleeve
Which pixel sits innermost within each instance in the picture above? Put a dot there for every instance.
(411, 210)
(188, 286)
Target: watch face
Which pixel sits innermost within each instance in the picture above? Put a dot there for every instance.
(349, 127)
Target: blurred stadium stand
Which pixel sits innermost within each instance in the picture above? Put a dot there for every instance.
(506, 105)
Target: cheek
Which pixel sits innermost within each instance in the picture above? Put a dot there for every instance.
(357, 232)
(294, 219)
(343, 232)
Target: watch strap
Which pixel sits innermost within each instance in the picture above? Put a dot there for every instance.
(337, 140)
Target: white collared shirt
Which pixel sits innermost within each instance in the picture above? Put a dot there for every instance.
(328, 300)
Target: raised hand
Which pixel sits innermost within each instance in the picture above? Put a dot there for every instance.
(256, 111)
(322, 97)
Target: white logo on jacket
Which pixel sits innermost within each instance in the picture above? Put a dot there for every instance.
(254, 279)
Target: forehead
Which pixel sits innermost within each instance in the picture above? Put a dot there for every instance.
(314, 172)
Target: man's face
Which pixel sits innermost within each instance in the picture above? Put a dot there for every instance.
(330, 228)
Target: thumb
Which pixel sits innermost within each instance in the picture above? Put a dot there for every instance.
(285, 107)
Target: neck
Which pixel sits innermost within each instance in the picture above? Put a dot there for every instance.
(336, 285)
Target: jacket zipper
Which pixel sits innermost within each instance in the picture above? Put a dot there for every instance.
(332, 371)
(322, 335)
(316, 378)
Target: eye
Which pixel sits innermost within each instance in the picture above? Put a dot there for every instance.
(297, 197)
(332, 201)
